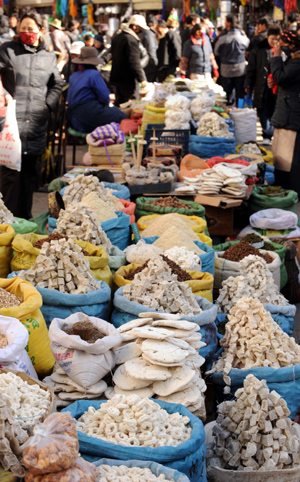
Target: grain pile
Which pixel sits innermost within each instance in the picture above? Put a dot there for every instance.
(62, 266)
(173, 237)
(132, 421)
(80, 222)
(255, 281)
(157, 288)
(8, 300)
(253, 339)
(254, 432)
(160, 357)
(101, 208)
(6, 217)
(157, 226)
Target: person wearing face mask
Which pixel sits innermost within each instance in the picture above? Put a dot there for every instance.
(258, 70)
(286, 118)
(30, 76)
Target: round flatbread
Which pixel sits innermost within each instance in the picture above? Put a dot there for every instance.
(151, 332)
(179, 324)
(124, 381)
(163, 351)
(134, 324)
(181, 378)
(139, 368)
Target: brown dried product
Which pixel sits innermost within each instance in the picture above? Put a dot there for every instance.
(252, 238)
(3, 341)
(239, 251)
(181, 274)
(81, 471)
(86, 330)
(51, 237)
(54, 447)
(8, 300)
(170, 202)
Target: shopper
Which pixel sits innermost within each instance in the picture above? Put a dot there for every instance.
(72, 30)
(190, 22)
(149, 41)
(169, 49)
(89, 40)
(13, 22)
(231, 47)
(286, 74)
(261, 32)
(30, 76)
(59, 40)
(197, 56)
(88, 95)
(258, 70)
(126, 60)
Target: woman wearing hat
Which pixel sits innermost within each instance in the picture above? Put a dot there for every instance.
(286, 118)
(30, 76)
(88, 95)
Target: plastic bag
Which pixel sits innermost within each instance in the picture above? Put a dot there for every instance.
(244, 125)
(140, 253)
(54, 445)
(85, 363)
(10, 142)
(274, 218)
(81, 471)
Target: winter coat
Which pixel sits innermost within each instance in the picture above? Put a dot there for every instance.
(149, 41)
(31, 77)
(258, 69)
(87, 85)
(230, 48)
(169, 50)
(198, 53)
(287, 76)
(257, 39)
(126, 59)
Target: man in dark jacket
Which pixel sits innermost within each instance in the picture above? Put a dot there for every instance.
(258, 70)
(126, 60)
(262, 31)
(169, 50)
(149, 41)
(30, 76)
(231, 47)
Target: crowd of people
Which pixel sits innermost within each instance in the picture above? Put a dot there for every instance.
(37, 56)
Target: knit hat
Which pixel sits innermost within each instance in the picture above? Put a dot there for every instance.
(88, 56)
(289, 37)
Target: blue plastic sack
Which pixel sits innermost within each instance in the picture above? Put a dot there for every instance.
(207, 147)
(62, 305)
(207, 258)
(156, 469)
(188, 457)
(126, 310)
(117, 258)
(121, 191)
(285, 381)
(269, 174)
(52, 222)
(118, 230)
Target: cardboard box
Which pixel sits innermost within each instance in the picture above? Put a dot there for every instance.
(217, 201)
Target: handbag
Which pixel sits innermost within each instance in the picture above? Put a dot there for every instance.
(283, 148)
(10, 142)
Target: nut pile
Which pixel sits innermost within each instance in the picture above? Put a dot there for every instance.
(107, 473)
(62, 266)
(136, 422)
(181, 275)
(78, 221)
(157, 288)
(12, 436)
(67, 391)
(7, 300)
(239, 251)
(170, 202)
(254, 431)
(255, 281)
(3, 341)
(186, 259)
(160, 357)
(253, 339)
(6, 217)
(24, 400)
